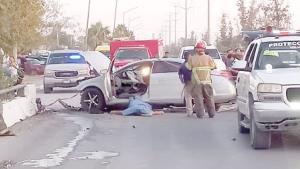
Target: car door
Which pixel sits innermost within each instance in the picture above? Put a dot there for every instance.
(138, 72)
(108, 82)
(243, 80)
(165, 86)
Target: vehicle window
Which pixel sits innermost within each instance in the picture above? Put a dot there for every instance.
(165, 67)
(66, 58)
(249, 52)
(277, 55)
(211, 52)
(252, 56)
(132, 54)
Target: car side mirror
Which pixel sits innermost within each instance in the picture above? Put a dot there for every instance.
(239, 65)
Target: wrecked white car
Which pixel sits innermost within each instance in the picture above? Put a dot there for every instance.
(155, 80)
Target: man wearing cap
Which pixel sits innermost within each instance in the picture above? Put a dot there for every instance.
(201, 66)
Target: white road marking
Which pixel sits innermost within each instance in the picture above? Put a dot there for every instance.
(58, 156)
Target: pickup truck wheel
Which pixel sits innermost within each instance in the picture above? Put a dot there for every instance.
(92, 100)
(259, 139)
(242, 129)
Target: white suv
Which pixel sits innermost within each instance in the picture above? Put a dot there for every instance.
(268, 88)
(65, 68)
(210, 50)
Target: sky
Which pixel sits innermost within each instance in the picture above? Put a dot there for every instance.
(150, 18)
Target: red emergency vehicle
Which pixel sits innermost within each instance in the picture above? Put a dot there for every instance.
(126, 51)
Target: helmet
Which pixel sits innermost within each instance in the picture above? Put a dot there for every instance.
(201, 44)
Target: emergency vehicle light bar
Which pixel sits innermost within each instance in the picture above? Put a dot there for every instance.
(252, 35)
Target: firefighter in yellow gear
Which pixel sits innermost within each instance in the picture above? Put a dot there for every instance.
(201, 66)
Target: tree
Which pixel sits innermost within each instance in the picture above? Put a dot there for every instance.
(223, 41)
(122, 31)
(226, 38)
(243, 14)
(249, 16)
(20, 24)
(258, 15)
(98, 34)
(276, 13)
(58, 31)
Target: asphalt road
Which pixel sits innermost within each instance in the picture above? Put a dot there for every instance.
(77, 140)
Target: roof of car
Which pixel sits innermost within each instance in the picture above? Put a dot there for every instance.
(192, 47)
(279, 38)
(66, 51)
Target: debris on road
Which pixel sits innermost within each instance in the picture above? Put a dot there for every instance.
(43, 108)
(6, 164)
(6, 132)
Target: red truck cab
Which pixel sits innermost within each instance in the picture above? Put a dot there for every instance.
(128, 51)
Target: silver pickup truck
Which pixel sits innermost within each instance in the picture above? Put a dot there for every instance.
(268, 87)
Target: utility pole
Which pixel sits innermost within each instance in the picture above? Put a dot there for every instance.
(115, 18)
(186, 10)
(208, 21)
(175, 25)
(170, 26)
(56, 25)
(87, 26)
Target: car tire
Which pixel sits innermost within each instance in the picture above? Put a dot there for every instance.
(259, 139)
(92, 101)
(242, 129)
(47, 89)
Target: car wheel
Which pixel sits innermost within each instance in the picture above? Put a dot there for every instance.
(92, 100)
(242, 129)
(259, 139)
(47, 89)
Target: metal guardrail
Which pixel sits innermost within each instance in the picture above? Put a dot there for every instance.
(12, 92)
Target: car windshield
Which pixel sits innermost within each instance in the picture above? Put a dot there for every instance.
(278, 55)
(66, 58)
(211, 52)
(132, 54)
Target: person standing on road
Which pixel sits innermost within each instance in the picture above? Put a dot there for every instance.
(201, 65)
(185, 76)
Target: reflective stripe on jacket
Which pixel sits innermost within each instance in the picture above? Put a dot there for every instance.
(201, 66)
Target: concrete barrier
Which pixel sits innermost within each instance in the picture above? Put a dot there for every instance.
(17, 104)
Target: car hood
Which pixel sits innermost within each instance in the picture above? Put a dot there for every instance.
(279, 76)
(66, 67)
